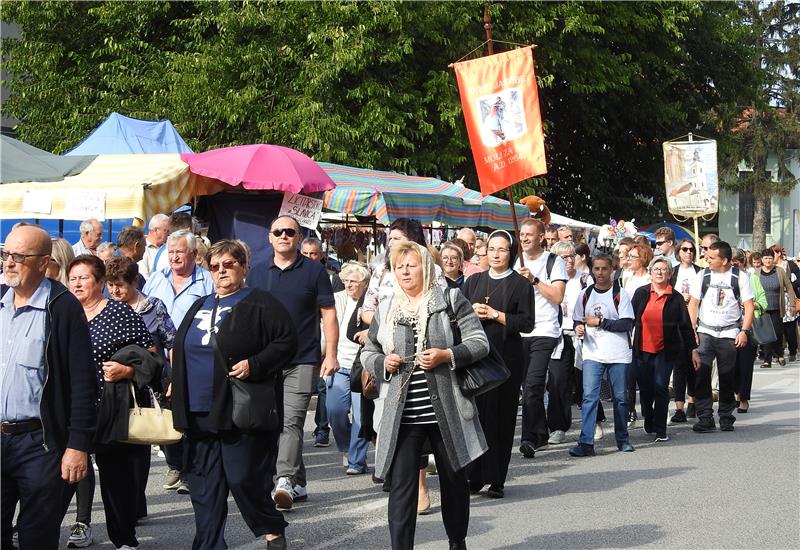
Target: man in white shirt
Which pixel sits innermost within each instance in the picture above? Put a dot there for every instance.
(603, 317)
(548, 275)
(157, 231)
(718, 295)
(91, 236)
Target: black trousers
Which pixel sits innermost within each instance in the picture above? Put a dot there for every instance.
(84, 497)
(119, 466)
(683, 379)
(724, 351)
(790, 335)
(653, 371)
(32, 478)
(774, 349)
(745, 357)
(559, 387)
(405, 487)
(534, 420)
(236, 462)
(174, 456)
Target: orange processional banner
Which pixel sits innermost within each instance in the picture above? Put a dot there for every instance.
(501, 106)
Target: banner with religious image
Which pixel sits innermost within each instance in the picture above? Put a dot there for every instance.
(501, 107)
(690, 177)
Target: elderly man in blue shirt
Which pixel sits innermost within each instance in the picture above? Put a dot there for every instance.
(179, 286)
(47, 392)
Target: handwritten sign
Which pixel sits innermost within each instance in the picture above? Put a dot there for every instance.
(82, 204)
(37, 201)
(306, 210)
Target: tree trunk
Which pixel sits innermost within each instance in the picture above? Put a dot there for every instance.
(760, 229)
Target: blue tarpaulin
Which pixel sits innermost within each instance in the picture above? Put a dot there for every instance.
(121, 135)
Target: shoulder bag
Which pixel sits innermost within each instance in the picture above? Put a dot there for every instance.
(762, 330)
(148, 426)
(254, 403)
(484, 374)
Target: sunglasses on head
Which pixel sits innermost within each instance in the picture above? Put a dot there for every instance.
(288, 230)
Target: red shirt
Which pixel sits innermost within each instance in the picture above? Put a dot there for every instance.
(653, 321)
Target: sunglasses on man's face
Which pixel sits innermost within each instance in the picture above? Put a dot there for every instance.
(288, 230)
(687, 249)
(659, 243)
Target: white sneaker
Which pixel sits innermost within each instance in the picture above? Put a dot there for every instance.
(598, 432)
(345, 460)
(557, 437)
(286, 494)
(81, 536)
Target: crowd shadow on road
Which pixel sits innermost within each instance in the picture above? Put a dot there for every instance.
(627, 536)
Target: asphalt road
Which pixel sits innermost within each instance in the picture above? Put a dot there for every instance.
(736, 489)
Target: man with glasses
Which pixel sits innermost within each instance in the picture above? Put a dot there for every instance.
(91, 235)
(705, 243)
(304, 289)
(48, 389)
(179, 286)
(665, 241)
(548, 275)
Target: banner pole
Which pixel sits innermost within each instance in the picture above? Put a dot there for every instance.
(487, 24)
(696, 240)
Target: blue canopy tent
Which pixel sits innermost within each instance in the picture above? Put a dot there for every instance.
(122, 135)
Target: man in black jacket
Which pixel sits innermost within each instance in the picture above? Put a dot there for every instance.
(47, 395)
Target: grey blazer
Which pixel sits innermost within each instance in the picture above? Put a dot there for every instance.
(456, 414)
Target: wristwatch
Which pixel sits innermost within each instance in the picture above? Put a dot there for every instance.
(496, 315)
(535, 281)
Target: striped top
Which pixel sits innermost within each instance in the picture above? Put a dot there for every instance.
(418, 408)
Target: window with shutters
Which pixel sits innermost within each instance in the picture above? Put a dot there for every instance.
(746, 206)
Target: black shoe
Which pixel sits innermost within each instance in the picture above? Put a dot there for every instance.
(277, 544)
(648, 427)
(705, 425)
(376, 480)
(766, 365)
(625, 446)
(792, 358)
(495, 491)
(322, 440)
(475, 487)
(726, 424)
(691, 411)
(678, 417)
(782, 361)
(458, 545)
(661, 438)
(582, 449)
(527, 449)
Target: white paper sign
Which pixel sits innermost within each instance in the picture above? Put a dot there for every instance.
(82, 204)
(37, 201)
(306, 210)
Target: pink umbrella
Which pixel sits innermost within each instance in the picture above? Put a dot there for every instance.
(260, 166)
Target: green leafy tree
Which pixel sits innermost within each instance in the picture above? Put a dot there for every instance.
(368, 84)
(766, 133)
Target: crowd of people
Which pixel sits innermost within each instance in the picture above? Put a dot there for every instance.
(196, 325)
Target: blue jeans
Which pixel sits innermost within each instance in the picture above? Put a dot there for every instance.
(340, 401)
(592, 374)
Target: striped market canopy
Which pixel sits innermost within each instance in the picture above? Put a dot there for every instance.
(111, 187)
(388, 196)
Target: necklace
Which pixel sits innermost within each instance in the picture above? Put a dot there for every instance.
(489, 294)
(94, 307)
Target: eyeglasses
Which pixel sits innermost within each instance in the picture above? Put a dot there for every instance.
(497, 250)
(687, 249)
(632, 257)
(450, 259)
(658, 270)
(568, 257)
(19, 257)
(288, 230)
(480, 255)
(659, 243)
(227, 264)
(703, 247)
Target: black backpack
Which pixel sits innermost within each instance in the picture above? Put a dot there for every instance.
(734, 283)
(616, 288)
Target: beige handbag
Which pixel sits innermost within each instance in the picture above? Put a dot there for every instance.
(148, 426)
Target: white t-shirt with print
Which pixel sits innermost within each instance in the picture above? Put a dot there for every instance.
(683, 283)
(546, 312)
(719, 307)
(631, 282)
(602, 345)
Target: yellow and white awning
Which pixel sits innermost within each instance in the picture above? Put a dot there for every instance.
(113, 186)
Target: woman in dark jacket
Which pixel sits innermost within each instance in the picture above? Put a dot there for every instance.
(661, 316)
(240, 333)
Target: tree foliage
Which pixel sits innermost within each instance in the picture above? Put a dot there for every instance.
(768, 128)
(368, 83)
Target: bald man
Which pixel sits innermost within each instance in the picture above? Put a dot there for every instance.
(468, 236)
(47, 394)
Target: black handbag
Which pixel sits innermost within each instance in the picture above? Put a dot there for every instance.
(255, 404)
(483, 375)
(762, 330)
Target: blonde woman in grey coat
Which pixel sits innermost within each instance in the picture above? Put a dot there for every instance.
(410, 347)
